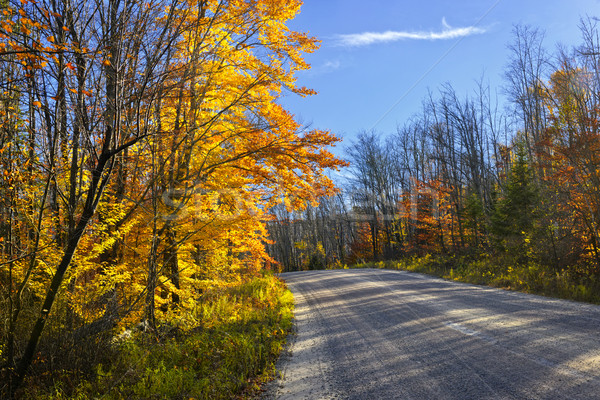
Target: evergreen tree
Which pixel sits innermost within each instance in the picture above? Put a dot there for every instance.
(513, 217)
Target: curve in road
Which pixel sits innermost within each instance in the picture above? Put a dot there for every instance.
(380, 334)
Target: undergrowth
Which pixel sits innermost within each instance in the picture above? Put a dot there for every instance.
(527, 277)
(227, 357)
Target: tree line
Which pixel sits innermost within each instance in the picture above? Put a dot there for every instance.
(469, 177)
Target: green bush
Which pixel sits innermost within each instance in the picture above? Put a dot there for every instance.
(244, 329)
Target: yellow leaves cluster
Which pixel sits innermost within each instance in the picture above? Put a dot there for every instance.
(248, 150)
(197, 192)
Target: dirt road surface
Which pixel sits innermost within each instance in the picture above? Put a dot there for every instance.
(379, 334)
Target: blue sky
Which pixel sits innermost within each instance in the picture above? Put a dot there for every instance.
(378, 58)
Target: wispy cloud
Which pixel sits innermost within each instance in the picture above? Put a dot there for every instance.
(368, 38)
(326, 67)
(332, 65)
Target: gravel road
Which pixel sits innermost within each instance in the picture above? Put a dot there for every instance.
(378, 334)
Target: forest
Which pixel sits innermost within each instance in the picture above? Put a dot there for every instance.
(141, 149)
(470, 188)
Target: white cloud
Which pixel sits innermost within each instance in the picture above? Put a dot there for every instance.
(368, 38)
(332, 65)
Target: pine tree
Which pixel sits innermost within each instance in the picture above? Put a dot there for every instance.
(513, 218)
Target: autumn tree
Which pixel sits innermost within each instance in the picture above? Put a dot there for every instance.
(572, 146)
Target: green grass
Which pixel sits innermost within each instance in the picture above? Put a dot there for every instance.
(228, 357)
(500, 272)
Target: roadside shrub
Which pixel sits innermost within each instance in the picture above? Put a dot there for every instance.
(234, 350)
(500, 271)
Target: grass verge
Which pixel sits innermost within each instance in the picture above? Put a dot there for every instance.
(228, 357)
(498, 272)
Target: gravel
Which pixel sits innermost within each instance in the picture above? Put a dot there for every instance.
(380, 334)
